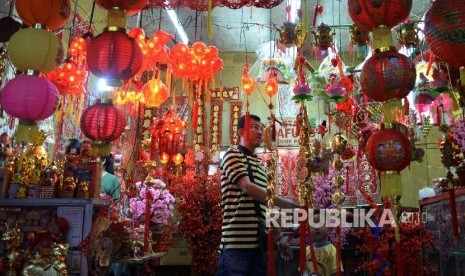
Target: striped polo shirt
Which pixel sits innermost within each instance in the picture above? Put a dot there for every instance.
(239, 228)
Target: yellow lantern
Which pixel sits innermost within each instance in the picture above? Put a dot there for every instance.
(155, 92)
(178, 158)
(44, 55)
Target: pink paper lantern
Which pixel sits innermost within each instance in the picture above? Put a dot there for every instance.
(29, 98)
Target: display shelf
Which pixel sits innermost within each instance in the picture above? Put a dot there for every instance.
(85, 208)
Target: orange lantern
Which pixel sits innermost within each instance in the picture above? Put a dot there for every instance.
(271, 85)
(247, 81)
(155, 92)
(51, 13)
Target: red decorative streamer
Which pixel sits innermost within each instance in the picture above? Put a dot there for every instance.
(303, 257)
(271, 268)
(312, 251)
(147, 222)
(338, 251)
(453, 214)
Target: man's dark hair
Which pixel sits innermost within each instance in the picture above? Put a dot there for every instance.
(73, 144)
(241, 122)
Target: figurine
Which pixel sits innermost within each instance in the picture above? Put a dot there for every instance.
(45, 237)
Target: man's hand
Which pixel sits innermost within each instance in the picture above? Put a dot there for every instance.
(284, 250)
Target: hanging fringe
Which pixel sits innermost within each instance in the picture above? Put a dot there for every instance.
(26, 131)
(247, 122)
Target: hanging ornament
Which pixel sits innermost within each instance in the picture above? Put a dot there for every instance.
(248, 86)
(302, 91)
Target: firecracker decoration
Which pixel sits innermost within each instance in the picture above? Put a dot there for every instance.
(200, 224)
(395, 258)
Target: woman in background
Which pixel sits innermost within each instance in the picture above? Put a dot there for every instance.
(110, 184)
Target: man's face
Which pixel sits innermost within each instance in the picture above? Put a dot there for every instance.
(319, 234)
(255, 138)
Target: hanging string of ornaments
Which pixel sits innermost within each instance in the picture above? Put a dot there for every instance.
(30, 97)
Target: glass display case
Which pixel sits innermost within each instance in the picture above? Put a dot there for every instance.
(448, 256)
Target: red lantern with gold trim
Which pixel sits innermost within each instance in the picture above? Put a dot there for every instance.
(102, 123)
(368, 14)
(115, 56)
(387, 75)
(388, 150)
(52, 13)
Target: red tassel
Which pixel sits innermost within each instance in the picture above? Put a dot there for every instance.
(400, 260)
(271, 268)
(195, 116)
(303, 257)
(438, 114)
(453, 214)
(312, 252)
(247, 126)
(338, 251)
(153, 148)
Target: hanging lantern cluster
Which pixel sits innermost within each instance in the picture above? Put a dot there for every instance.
(70, 78)
(153, 49)
(168, 137)
(196, 63)
(387, 76)
(29, 97)
(102, 123)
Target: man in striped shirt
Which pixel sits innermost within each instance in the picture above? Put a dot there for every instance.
(244, 181)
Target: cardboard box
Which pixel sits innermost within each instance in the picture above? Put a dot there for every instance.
(176, 256)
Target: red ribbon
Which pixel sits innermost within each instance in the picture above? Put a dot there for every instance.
(312, 252)
(302, 257)
(338, 251)
(453, 214)
(271, 268)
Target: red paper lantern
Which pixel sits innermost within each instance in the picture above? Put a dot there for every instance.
(103, 122)
(369, 14)
(51, 13)
(388, 150)
(114, 56)
(29, 98)
(387, 75)
(445, 30)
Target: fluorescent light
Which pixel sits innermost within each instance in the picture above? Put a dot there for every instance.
(179, 28)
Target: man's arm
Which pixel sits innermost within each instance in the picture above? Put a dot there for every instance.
(259, 194)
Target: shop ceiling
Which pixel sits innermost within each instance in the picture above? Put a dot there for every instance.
(241, 30)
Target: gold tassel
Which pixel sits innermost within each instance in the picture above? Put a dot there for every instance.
(382, 39)
(390, 110)
(102, 149)
(26, 131)
(391, 184)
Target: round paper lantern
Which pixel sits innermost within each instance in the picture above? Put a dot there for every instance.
(114, 56)
(103, 122)
(445, 30)
(387, 75)
(45, 54)
(131, 6)
(369, 14)
(51, 13)
(388, 150)
(29, 98)
(155, 93)
(9, 26)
